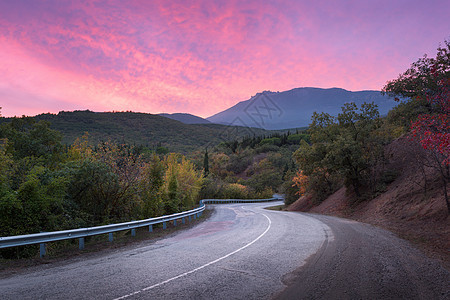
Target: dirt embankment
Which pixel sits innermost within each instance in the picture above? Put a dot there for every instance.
(412, 206)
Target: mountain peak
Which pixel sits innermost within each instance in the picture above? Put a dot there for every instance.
(294, 108)
(185, 118)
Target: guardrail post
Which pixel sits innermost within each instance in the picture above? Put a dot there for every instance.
(111, 237)
(174, 222)
(164, 225)
(150, 228)
(81, 243)
(41, 250)
(133, 232)
(183, 220)
(195, 215)
(189, 218)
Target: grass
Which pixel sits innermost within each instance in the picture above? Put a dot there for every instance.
(276, 207)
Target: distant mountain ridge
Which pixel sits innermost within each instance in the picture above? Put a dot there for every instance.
(185, 118)
(294, 108)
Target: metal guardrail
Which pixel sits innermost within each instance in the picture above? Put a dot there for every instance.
(81, 233)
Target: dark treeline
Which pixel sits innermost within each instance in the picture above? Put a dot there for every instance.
(277, 139)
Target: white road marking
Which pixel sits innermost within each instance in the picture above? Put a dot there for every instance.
(201, 267)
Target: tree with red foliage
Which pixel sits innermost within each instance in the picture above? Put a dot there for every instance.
(429, 79)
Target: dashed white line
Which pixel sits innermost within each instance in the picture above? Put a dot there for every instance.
(201, 267)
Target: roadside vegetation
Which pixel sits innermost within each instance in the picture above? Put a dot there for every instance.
(253, 167)
(47, 186)
(349, 149)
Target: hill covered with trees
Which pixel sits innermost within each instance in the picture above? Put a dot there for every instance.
(47, 186)
(393, 172)
(59, 179)
(185, 118)
(142, 129)
(349, 149)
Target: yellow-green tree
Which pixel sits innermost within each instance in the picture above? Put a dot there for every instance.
(151, 188)
(182, 183)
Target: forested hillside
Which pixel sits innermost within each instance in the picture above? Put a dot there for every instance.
(185, 118)
(125, 167)
(349, 149)
(393, 171)
(48, 186)
(147, 130)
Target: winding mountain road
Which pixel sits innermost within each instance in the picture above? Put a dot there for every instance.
(245, 252)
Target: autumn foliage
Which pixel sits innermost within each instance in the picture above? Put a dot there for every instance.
(433, 130)
(428, 81)
(300, 181)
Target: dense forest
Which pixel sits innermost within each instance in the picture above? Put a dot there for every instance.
(252, 167)
(147, 130)
(47, 184)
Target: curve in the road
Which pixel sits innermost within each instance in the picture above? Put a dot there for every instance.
(203, 266)
(240, 252)
(245, 252)
(365, 262)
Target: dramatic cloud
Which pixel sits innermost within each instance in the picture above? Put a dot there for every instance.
(202, 56)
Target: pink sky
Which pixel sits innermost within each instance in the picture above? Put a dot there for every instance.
(202, 57)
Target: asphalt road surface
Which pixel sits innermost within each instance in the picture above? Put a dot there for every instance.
(245, 252)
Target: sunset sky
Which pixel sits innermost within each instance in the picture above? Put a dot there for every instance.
(202, 57)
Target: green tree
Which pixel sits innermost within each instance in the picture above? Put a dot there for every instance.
(96, 190)
(206, 163)
(151, 188)
(172, 203)
(424, 78)
(427, 83)
(189, 183)
(356, 147)
(30, 138)
(171, 191)
(312, 158)
(10, 206)
(341, 147)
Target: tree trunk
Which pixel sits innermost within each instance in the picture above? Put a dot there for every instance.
(446, 195)
(445, 175)
(356, 189)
